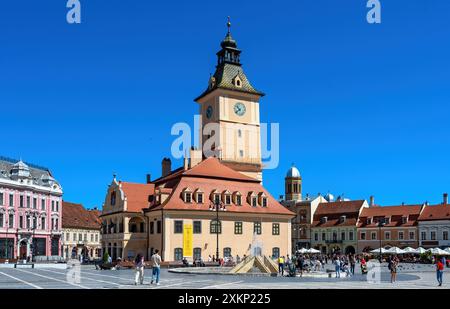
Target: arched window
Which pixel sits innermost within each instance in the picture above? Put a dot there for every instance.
(113, 198)
(227, 252)
(215, 227)
(178, 254)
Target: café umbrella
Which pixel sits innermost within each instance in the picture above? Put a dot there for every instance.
(302, 250)
(383, 251)
(420, 250)
(312, 250)
(395, 250)
(410, 250)
(438, 251)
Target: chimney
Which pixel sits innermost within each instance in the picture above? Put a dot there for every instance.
(372, 200)
(149, 178)
(166, 165)
(445, 198)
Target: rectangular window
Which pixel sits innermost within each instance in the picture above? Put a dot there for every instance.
(197, 228)
(342, 235)
(57, 205)
(324, 236)
(401, 235)
(423, 235)
(350, 235)
(433, 235)
(74, 236)
(215, 227)
(316, 236)
(227, 199)
(1, 198)
(152, 227)
(254, 201)
(53, 205)
(188, 197)
(178, 227)
(158, 227)
(34, 203)
(257, 228)
(275, 229)
(387, 235)
(264, 202)
(67, 236)
(445, 235)
(373, 236)
(238, 228)
(1, 220)
(363, 236)
(43, 224)
(96, 237)
(21, 222)
(216, 199)
(85, 237)
(43, 204)
(80, 237)
(11, 221)
(412, 235)
(11, 200)
(200, 198)
(238, 200)
(21, 201)
(28, 202)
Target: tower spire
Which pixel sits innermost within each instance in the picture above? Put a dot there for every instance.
(229, 25)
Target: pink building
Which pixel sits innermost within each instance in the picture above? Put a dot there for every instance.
(30, 212)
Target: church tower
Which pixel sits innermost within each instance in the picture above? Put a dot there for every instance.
(293, 185)
(230, 113)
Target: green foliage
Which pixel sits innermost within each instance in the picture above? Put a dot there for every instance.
(426, 257)
(105, 257)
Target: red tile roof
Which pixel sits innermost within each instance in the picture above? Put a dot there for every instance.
(210, 175)
(334, 210)
(76, 216)
(435, 212)
(343, 207)
(395, 213)
(137, 195)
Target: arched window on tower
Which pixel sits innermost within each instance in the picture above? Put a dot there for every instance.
(113, 198)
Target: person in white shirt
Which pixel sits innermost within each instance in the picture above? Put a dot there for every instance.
(156, 267)
(139, 265)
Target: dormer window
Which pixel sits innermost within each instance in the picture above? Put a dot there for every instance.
(187, 195)
(342, 219)
(254, 202)
(237, 197)
(324, 220)
(198, 196)
(262, 199)
(226, 197)
(369, 221)
(253, 199)
(404, 219)
(215, 197)
(387, 220)
(237, 81)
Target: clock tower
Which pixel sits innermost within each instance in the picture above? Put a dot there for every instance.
(230, 113)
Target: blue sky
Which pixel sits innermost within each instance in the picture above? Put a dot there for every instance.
(363, 109)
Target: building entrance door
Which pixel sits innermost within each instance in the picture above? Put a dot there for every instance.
(23, 250)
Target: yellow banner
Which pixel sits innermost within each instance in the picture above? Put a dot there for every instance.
(187, 240)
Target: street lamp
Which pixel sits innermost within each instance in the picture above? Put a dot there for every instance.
(380, 225)
(34, 216)
(216, 206)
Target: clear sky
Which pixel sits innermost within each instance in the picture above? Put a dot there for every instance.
(363, 109)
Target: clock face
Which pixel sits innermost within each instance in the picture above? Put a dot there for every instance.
(239, 109)
(209, 112)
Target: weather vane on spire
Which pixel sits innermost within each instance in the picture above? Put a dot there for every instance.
(229, 24)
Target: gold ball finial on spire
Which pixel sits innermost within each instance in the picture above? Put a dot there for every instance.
(229, 24)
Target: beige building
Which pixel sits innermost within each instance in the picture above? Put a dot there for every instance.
(334, 227)
(250, 220)
(124, 226)
(80, 232)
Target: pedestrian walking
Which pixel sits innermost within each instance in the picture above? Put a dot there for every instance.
(439, 271)
(352, 264)
(139, 268)
(393, 268)
(337, 267)
(156, 267)
(281, 265)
